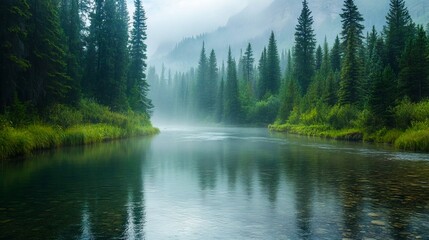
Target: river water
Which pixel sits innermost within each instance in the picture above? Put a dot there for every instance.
(216, 183)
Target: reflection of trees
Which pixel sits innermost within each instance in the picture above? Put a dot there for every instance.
(296, 166)
(268, 168)
(79, 191)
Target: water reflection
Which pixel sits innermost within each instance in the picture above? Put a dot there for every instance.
(86, 224)
(216, 183)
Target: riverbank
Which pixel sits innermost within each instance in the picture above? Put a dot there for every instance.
(64, 126)
(415, 138)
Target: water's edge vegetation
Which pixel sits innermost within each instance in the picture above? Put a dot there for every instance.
(409, 129)
(86, 123)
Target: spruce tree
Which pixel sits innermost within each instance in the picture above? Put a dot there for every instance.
(397, 31)
(201, 85)
(13, 35)
(248, 61)
(232, 104)
(138, 86)
(305, 45)
(413, 78)
(319, 56)
(212, 83)
(336, 55)
(272, 67)
(47, 80)
(262, 67)
(351, 70)
(72, 27)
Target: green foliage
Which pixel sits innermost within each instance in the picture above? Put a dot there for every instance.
(407, 113)
(342, 116)
(64, 116)
(414, 139)
(90, 123)
(305, 44)
(264, 111)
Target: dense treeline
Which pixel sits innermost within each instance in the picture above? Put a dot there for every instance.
(60, 51)
(71, 74)
(374, 84)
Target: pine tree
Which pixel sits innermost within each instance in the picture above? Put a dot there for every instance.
(351, 69)
(72, 27)
(305, 45)
(397, 31)
(319, 56)
(413, 78)
(232, 104)
(138, 86)
(262, 67)
(47, 80)
(248, 62)
(212, 83)
(272, 67)
(202, 80)
(13, 35)
(336, 55)
(220, 102)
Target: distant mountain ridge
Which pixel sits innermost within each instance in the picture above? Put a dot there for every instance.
(254, 25)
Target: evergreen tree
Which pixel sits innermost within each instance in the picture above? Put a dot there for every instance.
(336, 55)
(47, 80)
(138, 87)
(220, 102)
(351, 69)
(305, 45)
(13, 35)
(202, 79)
(72, 27)
(290, 100)
(272, 67)
(319, 56)
(248, 62)
(262, 67)
(352, 28)
(397, 31)
(232, 104)
(413, 78)
(211, 87)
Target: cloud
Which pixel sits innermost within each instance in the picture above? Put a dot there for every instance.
(169, 21)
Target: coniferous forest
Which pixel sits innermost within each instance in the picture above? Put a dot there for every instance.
(71, 73)
(80, 66)
(370, 84)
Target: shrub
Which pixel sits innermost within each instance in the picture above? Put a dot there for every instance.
(265, 111)
(64, 116)
(342, 116)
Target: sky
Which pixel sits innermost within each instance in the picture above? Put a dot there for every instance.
(169, 21)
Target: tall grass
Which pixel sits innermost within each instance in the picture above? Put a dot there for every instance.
(63, 125)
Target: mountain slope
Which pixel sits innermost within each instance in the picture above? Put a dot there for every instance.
(254, 25)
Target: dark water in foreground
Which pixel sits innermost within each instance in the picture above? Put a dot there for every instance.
(221, 183)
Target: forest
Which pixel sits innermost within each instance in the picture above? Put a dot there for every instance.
(370, 85)
(71, 73)
(77, 72)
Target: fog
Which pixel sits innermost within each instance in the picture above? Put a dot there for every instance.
(178, 29)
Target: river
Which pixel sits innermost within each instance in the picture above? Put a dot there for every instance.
(216, 183)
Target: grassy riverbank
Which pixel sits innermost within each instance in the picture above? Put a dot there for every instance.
(409, 130)
(22, 133)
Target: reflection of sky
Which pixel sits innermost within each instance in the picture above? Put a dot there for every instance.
(86, 224)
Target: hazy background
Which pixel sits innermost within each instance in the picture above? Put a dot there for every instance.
(176, 29)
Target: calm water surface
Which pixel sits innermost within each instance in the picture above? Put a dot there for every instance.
(217, 183)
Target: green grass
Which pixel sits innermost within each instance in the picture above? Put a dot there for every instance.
(414, 140)
(89, 123)
(319, 131)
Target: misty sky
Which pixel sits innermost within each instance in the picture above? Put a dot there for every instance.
(169, 21)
